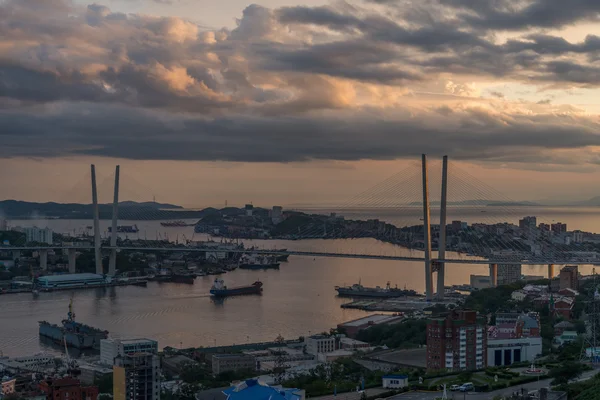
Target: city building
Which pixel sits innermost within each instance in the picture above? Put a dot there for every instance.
(334, 355)
(563, 306)
(112, 348)
(254, 389)
(40, 235)
(320, 344)
(518, 295)
(67, 389)
(351, 328)
(136, 377)
(528, 223)
(276, 215)
(481, 281)
(90, 373)
(3, 224)
(544, 227)
(456, 342)
(232, 362)
(353, 344)
(249, 208)
(70, 280)
(458, 226)
(563, 326)
(175, 364)
(394, 381)
(577, 236)
(565, 337)
(7, 385)
(515, 338)
(569, 277)
(509, 273)
(558, 227)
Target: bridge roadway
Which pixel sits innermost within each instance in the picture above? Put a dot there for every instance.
(313, 254)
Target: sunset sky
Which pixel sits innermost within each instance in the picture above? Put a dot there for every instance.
(291, 101)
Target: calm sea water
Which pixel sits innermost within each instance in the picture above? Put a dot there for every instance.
(298, 299)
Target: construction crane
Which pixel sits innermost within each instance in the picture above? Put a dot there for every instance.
(72, 366)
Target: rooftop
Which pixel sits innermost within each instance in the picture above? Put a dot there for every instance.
(70, 277)
(135, 341)
(395, 377)
(253, 389)
(372, 319)
(229, 355)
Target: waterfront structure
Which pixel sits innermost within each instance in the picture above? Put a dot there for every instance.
(112, 348)
(456, 342)
(320, 344)
(232, 362)
(394, 381)
(136, 377)
(351, 328)
(67, 388)
(254, 389)
(40, 235)
(66, 281)
(353, 344)
(569, 277)
(508, 273)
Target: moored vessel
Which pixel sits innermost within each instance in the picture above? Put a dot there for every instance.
(73, 333)
(258, 262)
(358, 290)
(219, 289)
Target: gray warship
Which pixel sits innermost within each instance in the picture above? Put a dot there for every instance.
(74, 333)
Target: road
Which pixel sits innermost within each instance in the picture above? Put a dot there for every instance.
(487, 395)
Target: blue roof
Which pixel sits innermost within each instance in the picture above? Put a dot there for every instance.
(253, 389)
(395, 377)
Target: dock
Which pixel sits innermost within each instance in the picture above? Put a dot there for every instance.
(392, 305)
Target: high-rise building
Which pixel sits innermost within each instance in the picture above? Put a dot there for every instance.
(569, 277)
(40, 235)
(136, 377)
(558, 227)
(457, 342)
(68, 388)
(509, 273)
(112, 348)
(276, 214)
(528, 223)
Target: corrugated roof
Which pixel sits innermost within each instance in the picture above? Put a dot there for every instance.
(70, 277)
(253, 389)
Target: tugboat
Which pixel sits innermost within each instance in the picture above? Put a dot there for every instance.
(73, 333)
(219, 289)
(258, 262)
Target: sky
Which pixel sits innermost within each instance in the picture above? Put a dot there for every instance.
(286, 102)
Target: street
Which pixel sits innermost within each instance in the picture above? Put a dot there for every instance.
(487, 395)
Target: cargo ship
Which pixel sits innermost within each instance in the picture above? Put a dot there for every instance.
(258, 262)
(125, 229)
(73, 333)
(219, 289)
(358, 290)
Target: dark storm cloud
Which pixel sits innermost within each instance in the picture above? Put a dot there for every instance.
(100, 130)
(290, 84)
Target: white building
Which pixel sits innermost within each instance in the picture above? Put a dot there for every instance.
(41, 235)
(320, 344)
(111, 348)
(506, 351)
(395, 381)
(518, 295)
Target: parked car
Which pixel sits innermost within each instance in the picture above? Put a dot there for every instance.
(466, 387)
(455, 388)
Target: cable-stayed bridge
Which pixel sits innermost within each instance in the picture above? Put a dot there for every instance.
(410, 207)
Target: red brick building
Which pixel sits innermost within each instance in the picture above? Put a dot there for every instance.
(457, 342)
(68, 389)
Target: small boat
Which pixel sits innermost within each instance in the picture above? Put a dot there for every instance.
(174, 223)
(219, 289)
(125, 229)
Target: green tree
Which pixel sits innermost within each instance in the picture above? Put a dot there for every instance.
(565, 372)
(193, 373)
(105, 384)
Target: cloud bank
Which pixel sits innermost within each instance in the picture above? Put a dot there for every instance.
(380, 79)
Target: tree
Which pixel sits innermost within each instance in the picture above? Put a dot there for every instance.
(193, 373)
(188, 391)
(565, 372)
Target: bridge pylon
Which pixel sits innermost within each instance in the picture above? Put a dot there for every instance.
(427, 231)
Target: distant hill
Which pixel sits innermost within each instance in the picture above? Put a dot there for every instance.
(593, 202)
(15, 209)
